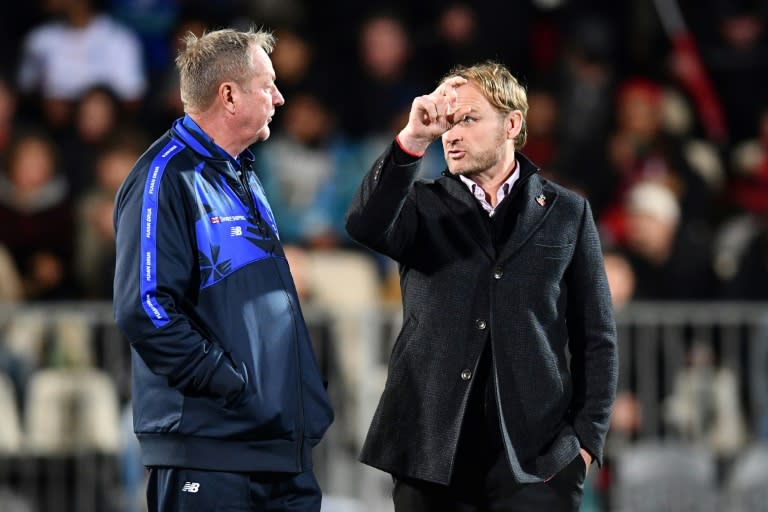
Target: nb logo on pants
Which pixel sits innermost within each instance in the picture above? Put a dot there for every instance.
(190, 487)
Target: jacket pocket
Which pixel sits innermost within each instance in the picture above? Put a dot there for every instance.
(554, 252)
(227, 382)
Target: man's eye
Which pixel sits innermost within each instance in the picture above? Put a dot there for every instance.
(467, 119)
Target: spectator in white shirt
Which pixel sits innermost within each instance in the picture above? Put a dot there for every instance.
(63, 58)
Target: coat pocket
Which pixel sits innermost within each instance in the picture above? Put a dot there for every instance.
(554, 252)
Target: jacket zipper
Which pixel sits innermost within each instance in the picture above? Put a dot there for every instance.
(246, 190)
(259, 222)
(300, 446)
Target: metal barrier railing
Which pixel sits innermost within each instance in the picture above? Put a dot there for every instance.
(665, 347)
(663, 355)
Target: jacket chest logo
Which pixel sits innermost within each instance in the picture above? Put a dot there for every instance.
(227, 218)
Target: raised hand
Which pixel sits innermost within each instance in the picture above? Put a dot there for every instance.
(432, 115)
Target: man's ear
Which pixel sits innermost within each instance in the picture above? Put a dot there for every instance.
(513, 123)
(226, 96)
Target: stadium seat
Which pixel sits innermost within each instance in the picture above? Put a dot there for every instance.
(665, 476)
(346, 284)
(10, 426)
(71, 411)
(747, 485)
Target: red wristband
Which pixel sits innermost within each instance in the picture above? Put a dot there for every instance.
(407, 152)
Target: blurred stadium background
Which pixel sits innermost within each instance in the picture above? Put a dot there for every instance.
(657, 111)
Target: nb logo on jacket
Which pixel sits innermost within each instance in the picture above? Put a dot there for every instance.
(190, 487)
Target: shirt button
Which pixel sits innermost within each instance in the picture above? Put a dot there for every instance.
(480, 324)
(466, 374)
(497, 273)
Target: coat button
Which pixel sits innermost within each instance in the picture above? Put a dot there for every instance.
(497, 273)
(466, 374)
(480, 324)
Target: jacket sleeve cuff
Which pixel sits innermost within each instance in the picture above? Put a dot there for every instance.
(402, 156)
(595, 458)
(594, 449)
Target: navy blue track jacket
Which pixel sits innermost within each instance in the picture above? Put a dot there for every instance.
(224, 375)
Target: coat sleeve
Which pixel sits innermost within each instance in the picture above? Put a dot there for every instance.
(154, 279)
(592, 339)
(382, 215)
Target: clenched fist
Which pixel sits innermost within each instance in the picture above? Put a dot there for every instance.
(432, 115)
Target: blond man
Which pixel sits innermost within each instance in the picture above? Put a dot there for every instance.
(501, 380)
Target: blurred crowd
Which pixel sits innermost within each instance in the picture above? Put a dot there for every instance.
(662, 125)
(660, 120)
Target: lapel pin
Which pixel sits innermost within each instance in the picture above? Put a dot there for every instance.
(541, 200)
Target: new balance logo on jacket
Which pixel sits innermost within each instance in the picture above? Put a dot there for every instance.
(190, 487)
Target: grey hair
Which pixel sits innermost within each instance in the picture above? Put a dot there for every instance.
(215, 57)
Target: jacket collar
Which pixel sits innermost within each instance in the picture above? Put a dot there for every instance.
(192, 136)
(536, 201)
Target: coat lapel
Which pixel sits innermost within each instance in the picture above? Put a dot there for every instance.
(460, 202)
(537, 201)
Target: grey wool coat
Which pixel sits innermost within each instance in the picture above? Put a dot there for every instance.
(539, 294)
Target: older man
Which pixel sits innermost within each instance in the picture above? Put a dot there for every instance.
(227, 397)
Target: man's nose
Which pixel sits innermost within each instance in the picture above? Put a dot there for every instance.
(452, 135)
(277, 98)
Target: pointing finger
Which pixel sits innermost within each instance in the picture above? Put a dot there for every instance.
(455, 81)
(459, 114)
(449, 85)
(452, 83)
